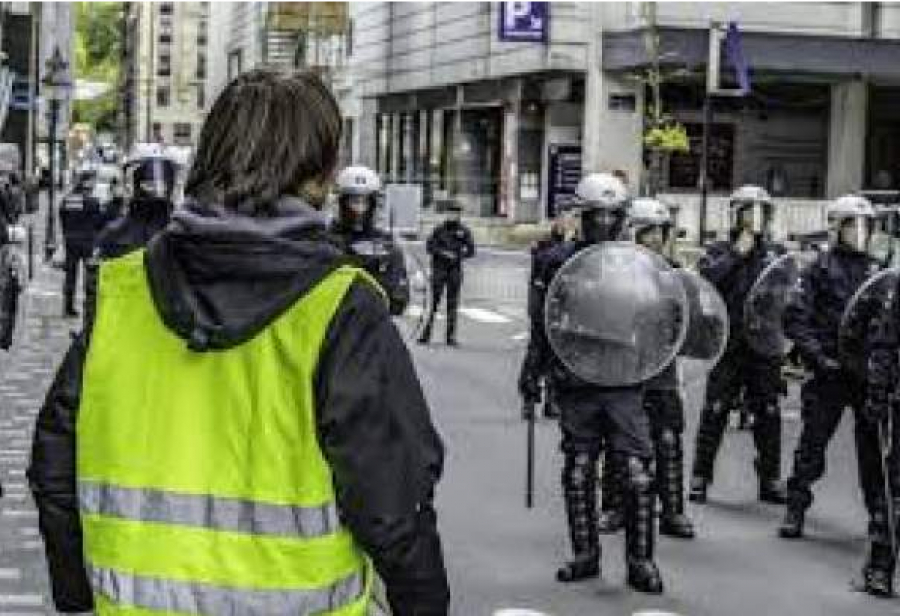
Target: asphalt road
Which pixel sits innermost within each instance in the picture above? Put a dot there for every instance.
(498, 553)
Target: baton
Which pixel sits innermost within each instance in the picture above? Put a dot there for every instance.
(529, 456)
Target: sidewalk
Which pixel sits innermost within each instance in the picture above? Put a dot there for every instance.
(26, 372)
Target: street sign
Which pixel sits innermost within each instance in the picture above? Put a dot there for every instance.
(524, 21)
(565, 173)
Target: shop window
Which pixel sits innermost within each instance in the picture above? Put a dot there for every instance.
(622, 102)
(684, 168)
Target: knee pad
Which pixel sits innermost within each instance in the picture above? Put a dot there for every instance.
(638, 475)
(579, 470)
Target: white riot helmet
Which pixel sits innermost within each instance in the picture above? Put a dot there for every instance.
(851, 220)
(602, 199)
(751, 209)
(650, 223)
(358, 180)
(358, 189)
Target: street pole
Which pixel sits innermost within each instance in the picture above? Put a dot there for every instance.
(704, 167)
(593, 95)
(50, 239)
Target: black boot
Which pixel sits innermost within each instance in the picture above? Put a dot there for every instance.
(792, 526)
(580, 490)
(699, 486)
(425, 336)
(670, 486)
(612, 515)
(772, 491)
(878, 572)
(643, 575)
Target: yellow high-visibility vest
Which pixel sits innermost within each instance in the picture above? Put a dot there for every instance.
(202, 486)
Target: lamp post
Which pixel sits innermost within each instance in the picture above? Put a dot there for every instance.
(55, 86)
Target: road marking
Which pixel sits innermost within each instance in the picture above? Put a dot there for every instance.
(10, 573)
(521, 336)
(484, 315)
(18, 513)
(22, 600)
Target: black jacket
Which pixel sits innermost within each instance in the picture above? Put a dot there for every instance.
(733, 276)
(449, 244)
(382, 257)
(217, 279)
(813, 316)
(82, 218)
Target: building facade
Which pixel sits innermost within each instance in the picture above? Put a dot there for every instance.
(287, 35)
(489, 103)
(164, 76)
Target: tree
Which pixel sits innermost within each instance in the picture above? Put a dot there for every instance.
(97, 58)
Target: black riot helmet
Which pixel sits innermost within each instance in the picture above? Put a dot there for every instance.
(152, 178)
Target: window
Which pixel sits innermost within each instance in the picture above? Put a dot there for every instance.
(201, 96)
(165, 38)
(164, 65)
(202, 31)
(201, 65)
(162, 96)
(235, 62)
(157, 132)
(181, 132)
(166, 8)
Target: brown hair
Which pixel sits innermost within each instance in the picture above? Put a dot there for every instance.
(268, 134)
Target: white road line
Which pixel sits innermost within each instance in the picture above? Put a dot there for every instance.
(10, 573)
(521, 336)
(22, 600)
(485, 316)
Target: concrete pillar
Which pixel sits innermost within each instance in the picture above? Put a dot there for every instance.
(509, 169)
(395, 147)
(593, 94)
(847, 137)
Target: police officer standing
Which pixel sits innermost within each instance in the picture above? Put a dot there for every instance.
(594, 417)
(81, 218)
(369, 247)
(147, 212)
(812, 321)
(534, 371)
(449, 245)
(733, 266)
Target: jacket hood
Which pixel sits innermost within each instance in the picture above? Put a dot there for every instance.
(219, 277)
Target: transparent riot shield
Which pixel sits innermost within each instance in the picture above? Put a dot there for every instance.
(765, 304)
(867, 304)
(616, 314)
(412, 320)
(707, 333)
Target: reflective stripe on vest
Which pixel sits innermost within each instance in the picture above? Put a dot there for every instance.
(202, 486)
(196, 598)
(203, 511)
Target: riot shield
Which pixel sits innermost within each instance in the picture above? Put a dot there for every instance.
(616, 314)
(412, 320)
(869, 301)
(765, 304)
(707, 334)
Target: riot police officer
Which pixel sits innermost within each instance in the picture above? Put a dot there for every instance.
(650, 224)
(449, 245)
(533, 373)
(812, 321)
(81, 217)
(355, 229)
(594, 418)
(147, 212)
(733, 266)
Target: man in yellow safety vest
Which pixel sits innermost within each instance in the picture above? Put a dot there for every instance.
(243, 432)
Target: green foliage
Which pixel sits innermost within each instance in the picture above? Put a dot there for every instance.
(97, 58)
(670, 137)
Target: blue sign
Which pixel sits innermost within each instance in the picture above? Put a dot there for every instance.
(524, 21)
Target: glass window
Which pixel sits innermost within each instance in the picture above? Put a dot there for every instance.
(164, 65)
(201, 65)
(181, 132)
(235, 61)
(162, 96)
(201, 96)
(166, 8)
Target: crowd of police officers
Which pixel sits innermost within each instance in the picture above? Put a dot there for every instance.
(633, 431)
(636, 429)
